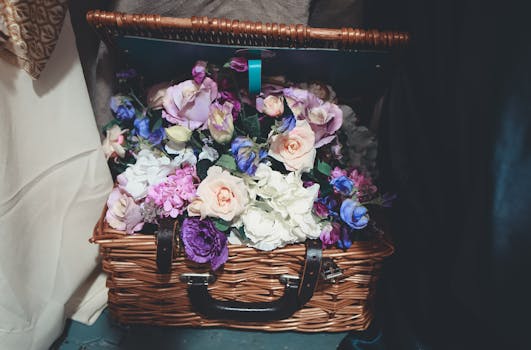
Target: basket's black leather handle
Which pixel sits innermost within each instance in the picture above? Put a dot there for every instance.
(296, 294)
(281, 308)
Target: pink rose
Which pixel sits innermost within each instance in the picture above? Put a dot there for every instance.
(220, 195)
(188, 103)
(123, 213)
(272, 106)
(296, 148)
(325, 120)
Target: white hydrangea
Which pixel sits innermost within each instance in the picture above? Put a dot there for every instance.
(281, 212)
(149, 170)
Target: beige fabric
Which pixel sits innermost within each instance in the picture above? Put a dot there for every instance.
(54, 182)
(33, 27)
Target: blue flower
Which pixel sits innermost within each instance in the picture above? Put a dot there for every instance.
(331, 203)
(344, 241)
(354, 214)
(288, 123)
(142, 127)
(247, 154)
(122, 107)
(143, 130)
(343, 185)
(156, 137)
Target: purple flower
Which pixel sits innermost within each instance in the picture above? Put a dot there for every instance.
(188, 103)
(320, 210)
(239, 64)
(343, 185)
(203, 242)
(227, 96)
(325, 119)
(122, 107)
(354, 214)
(247, 154)
(199, 72)
(387, 199)
(126, 74)
(330, 234)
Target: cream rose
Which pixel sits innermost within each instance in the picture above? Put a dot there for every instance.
(296, 148)
(220, 195)
(272, 106)
(113, 142)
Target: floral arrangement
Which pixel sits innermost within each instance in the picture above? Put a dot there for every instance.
(264, 171)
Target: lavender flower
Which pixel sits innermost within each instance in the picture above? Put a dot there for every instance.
(203, 242)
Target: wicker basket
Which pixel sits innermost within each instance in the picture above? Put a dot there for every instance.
(138, 294)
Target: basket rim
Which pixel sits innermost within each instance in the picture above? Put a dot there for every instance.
(111, 24)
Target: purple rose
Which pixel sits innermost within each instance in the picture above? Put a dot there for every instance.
(199, 72)
(325, 121)
(320, 210)
(227, 96)
(354, 214)
(239, 64)
(203, 242)
(299, 101)
(122, 107)
(188, 103)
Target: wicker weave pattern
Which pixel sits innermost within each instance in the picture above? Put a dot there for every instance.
(138, 295)
(245, 33)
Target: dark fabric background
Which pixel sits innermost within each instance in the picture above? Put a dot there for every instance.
(455, 145)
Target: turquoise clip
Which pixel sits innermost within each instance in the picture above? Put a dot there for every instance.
(255, 76)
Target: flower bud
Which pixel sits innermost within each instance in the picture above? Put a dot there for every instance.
(220, 122)
(273, 106)
(178, 134)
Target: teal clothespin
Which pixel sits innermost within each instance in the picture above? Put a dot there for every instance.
(255, 76)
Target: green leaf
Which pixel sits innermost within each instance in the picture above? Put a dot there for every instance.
(157, 125)
(323, 167)
(227, 161)
(251, 125)
(221, 225)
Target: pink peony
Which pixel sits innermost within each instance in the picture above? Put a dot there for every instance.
(123, 213)
(174, 193)
(188, 103)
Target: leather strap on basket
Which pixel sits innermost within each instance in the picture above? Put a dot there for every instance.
(165, 244)
(310, 273)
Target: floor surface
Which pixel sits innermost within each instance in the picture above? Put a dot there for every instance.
(107, 335)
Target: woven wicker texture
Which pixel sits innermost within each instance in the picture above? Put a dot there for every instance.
(244, 33)
(139, 295)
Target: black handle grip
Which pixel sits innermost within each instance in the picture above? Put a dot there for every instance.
(281, 308)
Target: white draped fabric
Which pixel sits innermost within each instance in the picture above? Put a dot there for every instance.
(53, 184)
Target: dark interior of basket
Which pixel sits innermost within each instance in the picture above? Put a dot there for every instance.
(351, 73)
